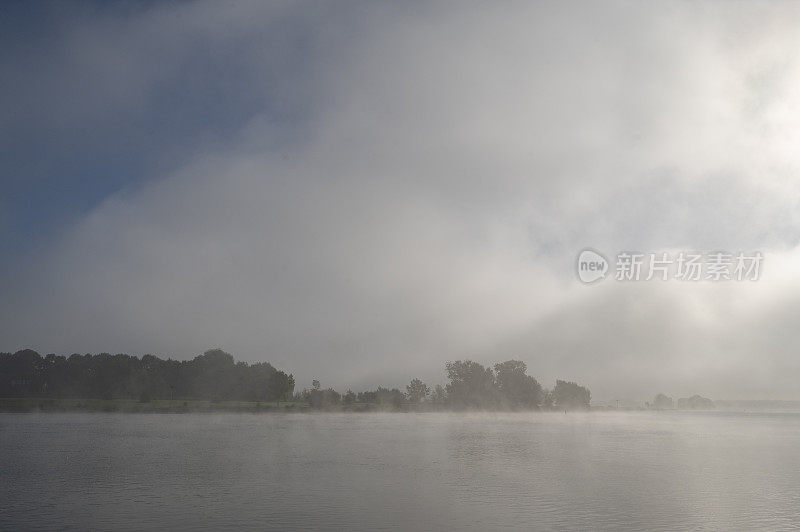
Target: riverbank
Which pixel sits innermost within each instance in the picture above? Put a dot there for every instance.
(179, 406)
(32, 404)
(29, 404)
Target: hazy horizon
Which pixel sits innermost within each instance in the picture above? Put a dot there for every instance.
(357, 193)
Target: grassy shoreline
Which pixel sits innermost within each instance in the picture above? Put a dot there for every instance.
(33, 404)
(179, 406)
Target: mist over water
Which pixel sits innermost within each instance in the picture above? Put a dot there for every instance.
(322, 212)
(613, 471)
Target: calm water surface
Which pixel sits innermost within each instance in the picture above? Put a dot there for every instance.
(669, 471)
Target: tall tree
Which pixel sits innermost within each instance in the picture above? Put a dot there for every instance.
(417, 391)
(571, 396)
(515, 387)
(471, 385)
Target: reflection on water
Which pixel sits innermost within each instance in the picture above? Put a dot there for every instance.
(400, 471)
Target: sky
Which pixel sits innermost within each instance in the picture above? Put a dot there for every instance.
(358, 192)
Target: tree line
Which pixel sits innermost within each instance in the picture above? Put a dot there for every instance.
(695, 402)
(471, 386)
(216, 376)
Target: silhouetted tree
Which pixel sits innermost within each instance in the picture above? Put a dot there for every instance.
(417, 391)
(212, 375)
(696, 402)
(349, 398)
(516, 388)
(471, 385)
(438, 395)
(367, 397)
(571, 396)
(383, 397)
(322, 398)
(281, 386)
(662, 402)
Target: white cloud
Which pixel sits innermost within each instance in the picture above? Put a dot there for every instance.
(453, 164)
